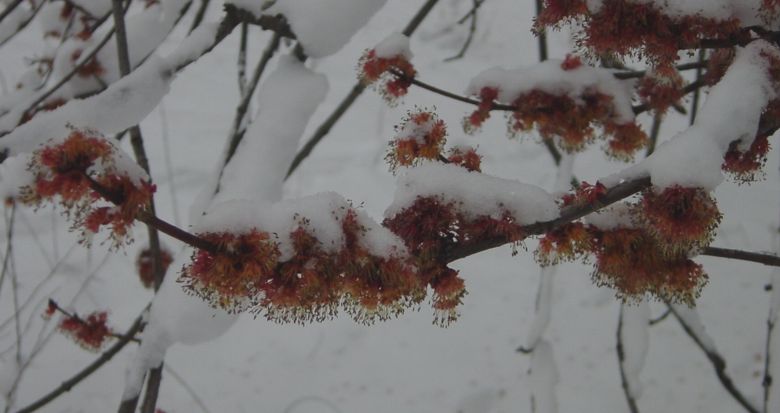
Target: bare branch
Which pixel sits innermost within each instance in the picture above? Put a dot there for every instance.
(356, 91)
(67, 385)
(632, 406)
(718, 363)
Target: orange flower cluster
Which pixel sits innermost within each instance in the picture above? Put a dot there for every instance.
(650, 255)
(64, 170)
(487, 95)
(246, 273)
(630, 28)
(430, 228)
(422, 135)
(747, 166)
(393, 74)
(680, 218)
(565, 243)
(465, 157)
(144, 264)
(661, 91)
(560, 116)
(90, 333)
(585, 194)
(234, 272)
(631, 262)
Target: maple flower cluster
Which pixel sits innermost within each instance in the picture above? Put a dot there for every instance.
(247, 271)
(422, 136)
(145, 265)
(431, 227)
(389, 70)
(77, 172)
(639, 248)
(628, 28)
(570, 118)
(91, 333)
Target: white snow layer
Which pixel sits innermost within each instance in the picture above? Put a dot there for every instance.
(731, 112)
(286, 101)
(175, 317)
(543, 307)
(635, 336)
(475, 193)
(549, 77)
(690, 317)
(323, 27)
(543, 376)
(396, 44)
(321, 214)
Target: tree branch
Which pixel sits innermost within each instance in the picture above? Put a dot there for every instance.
(347, 102)
(621, 355)
(67, 385)
(718, 363)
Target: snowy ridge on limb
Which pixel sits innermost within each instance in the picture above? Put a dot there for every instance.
(286, 100)
(476, 193)
(635, 339)
(552, 77)
(565, 100)
(544, 378)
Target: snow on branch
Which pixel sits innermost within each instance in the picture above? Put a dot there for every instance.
(694, 158)
(564, 100)
(322, 28)
(286, 101)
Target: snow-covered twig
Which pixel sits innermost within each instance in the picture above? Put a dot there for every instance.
(692, 325)
(9, 9)
(472, 32)
(631, 349)
(348, 100)
(235, 132)
(199, 15)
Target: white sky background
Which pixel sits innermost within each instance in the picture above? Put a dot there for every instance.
(404, 365)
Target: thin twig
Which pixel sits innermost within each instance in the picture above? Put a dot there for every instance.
(9, 9)
(199, 15)
(351, 97)
(761, 258)
(9, 245)
(67, 385)
(241, 64)
(75, 317)
(472, 31)
(187, 387)
(136, 140)
(246, 98)
(697, 93)
(660, 318)
(632, 406)
(718, 363)
(655, 129)
(634, 74)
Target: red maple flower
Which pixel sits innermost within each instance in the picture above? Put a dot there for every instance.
(393, 74)
(90, 333)
(680, 218)
(422, 135)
